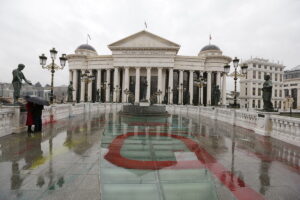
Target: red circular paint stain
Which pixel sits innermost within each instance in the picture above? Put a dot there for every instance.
(236, 185)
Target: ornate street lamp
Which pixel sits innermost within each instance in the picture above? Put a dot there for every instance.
(159, 92)
(200, 83)
(236, 75)
(52, 66)
(127, 92)
(86, 78)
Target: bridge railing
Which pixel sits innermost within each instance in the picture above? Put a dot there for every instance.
(263, 123)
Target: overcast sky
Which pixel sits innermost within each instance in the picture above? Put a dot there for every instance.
(242, 28)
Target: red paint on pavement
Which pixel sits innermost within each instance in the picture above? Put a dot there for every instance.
(236, 185)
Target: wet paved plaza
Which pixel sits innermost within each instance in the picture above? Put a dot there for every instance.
(167, 158)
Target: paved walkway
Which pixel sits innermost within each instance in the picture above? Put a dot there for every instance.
(146, 158)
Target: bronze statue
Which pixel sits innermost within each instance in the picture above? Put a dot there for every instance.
(70, 92)
(267, 94)
(98, 97)
(216, 95)
(18, 76)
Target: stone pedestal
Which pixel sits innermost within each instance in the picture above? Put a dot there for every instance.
(264, 123)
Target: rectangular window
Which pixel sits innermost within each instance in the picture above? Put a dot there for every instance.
(246, 93)
(254, 65)
(259, 91)
(259, 75)
(253, 104)
(254, 74)
(280, 93)
(275, 104)
(280, 77)
(265, 66)
(275, 93)
(258, 103)
(276, 77)
(276, 68)
(253, 91)
(259, 66)
(270, 68)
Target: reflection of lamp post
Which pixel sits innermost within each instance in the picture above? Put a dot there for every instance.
(200, 83)
(53, 67)
(159, 93)
(236, 75)
(127, 92)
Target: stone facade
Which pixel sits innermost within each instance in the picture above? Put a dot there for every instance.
(147, 66)
(251, 84)
(291, 85)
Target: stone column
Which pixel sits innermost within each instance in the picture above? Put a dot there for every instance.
(75, 74)
(137, 85)
(180, 91)
(224, 90)
(171, 86)
(208, 99)
(219, 79)
(107, 92)
(126, 83)
(149, 84)
(82, 89)
(90, 85)
(116, 84)
(159, 83)
(70, 76)
(191, 86)
(201, 92)
(99, 79)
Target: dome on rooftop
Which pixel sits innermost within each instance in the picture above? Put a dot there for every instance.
(86, 47)
(210, 47)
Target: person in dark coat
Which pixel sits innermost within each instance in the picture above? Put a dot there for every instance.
(37, 117)
(29, 120)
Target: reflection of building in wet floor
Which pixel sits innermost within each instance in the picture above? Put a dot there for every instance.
(65, 157)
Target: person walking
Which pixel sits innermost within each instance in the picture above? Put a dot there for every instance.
(29, 120)
(37, 117)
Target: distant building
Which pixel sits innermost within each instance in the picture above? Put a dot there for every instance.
(251, 85)
(291, 85)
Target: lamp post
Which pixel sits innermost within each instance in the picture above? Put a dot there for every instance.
(169, 90)
(127, 92)
(116, 90)
(236, 75)
(86, 77)
(53, 67)
(200, 83)
(180, 91)
(159, 92)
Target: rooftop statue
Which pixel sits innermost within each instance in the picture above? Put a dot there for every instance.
(18, 76)
(267, 94)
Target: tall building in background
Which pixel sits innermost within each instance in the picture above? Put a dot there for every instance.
(251, 85)
(291, 85)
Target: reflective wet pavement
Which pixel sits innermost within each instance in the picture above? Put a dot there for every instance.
(115, 157)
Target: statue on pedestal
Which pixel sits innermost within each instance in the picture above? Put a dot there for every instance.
(18, 76)
(267, 94)
(216, 95)
(98, 97)
(70, 92)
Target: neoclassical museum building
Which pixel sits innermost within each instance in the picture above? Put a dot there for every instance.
(144, 67)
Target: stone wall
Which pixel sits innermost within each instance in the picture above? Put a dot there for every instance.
(14, 121)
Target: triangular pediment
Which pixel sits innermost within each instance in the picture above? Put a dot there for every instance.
(144, 40)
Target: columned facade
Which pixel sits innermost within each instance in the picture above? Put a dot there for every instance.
(148, 68)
